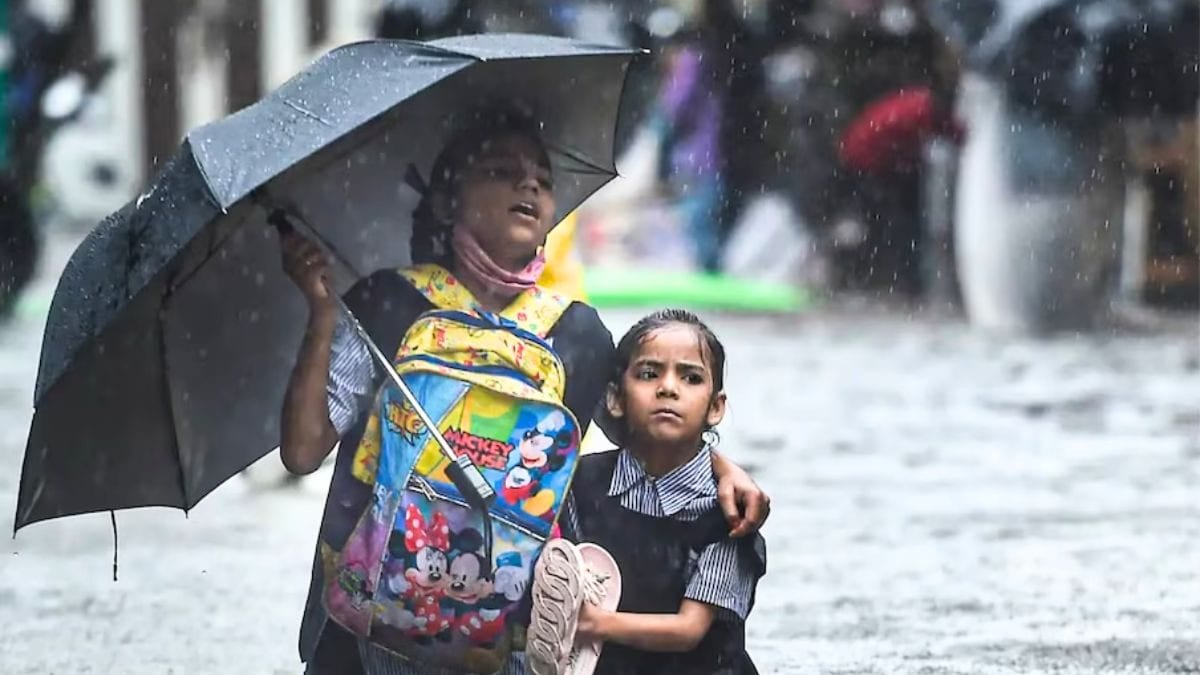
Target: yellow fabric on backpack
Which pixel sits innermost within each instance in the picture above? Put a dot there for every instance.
(535, 310)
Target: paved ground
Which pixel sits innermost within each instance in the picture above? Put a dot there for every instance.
(945, 502)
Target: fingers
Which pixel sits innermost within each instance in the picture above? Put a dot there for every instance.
(745, 511)
(727, 498)
(301, 257)
(757, 510)
(301, 251)
(293, 244)
(320, 284)
(306, 264)
(313, 258)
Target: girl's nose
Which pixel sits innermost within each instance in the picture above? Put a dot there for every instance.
(529, 174)
(529, 180)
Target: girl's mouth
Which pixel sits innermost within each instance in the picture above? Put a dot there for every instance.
(665, 414)
(527, 209)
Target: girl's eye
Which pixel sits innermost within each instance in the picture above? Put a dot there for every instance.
(695, 378)
(497, 172)
(546, 183)
(646, 374)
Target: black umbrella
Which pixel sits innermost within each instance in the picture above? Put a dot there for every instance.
(173, 329)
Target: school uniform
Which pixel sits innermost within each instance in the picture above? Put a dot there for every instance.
(671, 542)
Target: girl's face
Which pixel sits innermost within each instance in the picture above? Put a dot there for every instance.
(666, 395)
(505, 198)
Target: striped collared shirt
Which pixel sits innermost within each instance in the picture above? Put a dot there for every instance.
(719, 575)
(353, 377)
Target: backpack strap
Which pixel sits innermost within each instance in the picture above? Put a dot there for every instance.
(535, 310)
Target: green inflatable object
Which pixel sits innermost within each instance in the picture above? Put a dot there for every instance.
(650, 288)
(33, 306)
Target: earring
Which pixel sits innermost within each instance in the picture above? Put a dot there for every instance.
(710, 438)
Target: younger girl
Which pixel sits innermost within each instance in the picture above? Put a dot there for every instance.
(687, 587)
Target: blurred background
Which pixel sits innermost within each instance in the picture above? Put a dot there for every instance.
(953, 247)
(918, 149)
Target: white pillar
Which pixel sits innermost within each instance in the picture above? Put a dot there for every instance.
(284, 40)
(351, 20)
(201, 68)
(118, 34)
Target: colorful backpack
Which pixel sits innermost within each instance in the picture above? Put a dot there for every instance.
(423, 574)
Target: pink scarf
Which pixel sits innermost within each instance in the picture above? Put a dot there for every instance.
(483, 270)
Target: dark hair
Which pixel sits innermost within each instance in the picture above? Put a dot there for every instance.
(711, 350)
(430, 234)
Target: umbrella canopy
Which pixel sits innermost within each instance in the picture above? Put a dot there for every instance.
(173, 329)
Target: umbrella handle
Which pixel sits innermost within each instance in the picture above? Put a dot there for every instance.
(462, 471)
(279, 220)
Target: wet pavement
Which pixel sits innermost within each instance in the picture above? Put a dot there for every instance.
(944, 502)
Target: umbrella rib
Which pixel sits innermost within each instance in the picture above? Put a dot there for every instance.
(265, 202)
(216, 241)
(579, 158)
(306, 112)
(589, 171)
(170, 403)
(437, 48)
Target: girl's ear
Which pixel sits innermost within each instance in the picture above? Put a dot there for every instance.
(716, 409)
(612, 401)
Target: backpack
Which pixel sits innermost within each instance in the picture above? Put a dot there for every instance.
(423, 574)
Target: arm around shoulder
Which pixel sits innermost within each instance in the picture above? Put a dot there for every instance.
(744, 503)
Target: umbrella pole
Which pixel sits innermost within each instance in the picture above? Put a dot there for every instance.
(462, 471)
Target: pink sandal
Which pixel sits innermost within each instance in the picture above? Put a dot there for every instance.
(557, 594)
(601, 587)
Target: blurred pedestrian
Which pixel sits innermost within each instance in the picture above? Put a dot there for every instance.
(688, 119)
(426, 19)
